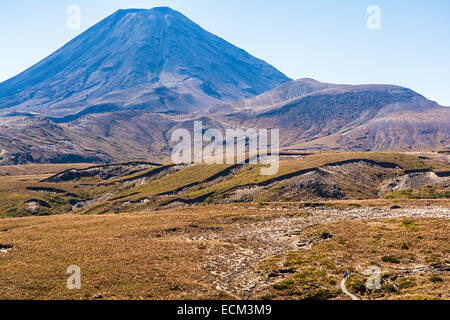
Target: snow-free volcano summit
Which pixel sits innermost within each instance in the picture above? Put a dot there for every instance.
(154, 60)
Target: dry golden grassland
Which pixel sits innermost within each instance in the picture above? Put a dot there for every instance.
(164, 232)
(207, 184)
(220, 252)
(14, 181)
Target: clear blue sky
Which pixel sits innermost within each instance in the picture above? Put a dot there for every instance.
(322, 39)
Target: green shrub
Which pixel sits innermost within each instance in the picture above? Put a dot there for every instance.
(324, 294)
(405, 246)
(387, 287)
(283, 285)
(356, 286)
(436, 279)
(407, 223)
(406, 283)
(390, 259)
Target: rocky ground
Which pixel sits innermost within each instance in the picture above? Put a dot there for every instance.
(242, 249)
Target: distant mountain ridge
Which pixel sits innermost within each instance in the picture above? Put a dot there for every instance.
(321, 116)
(154, 60)
(118, 91)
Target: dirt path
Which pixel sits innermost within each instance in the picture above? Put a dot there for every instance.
(345, 290)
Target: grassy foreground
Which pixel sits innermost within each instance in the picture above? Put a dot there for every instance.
(153, 231)
(211, 252)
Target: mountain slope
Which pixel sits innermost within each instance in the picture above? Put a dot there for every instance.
(95, 138)
(271, 98)
(154, 60)
(344, 117)
(309, 114)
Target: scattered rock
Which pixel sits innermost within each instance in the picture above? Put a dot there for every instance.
(37, 207)
(326, 236)
(45, 190)
(5, 248)
(287, 271)
(231, 270)
(303, 243)
(81, 205)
